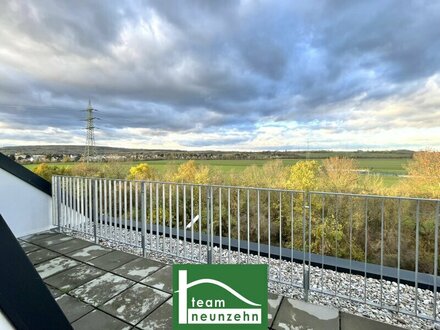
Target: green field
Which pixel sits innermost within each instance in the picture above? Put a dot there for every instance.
(388, 167)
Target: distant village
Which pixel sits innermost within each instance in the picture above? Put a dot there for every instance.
(27, 158)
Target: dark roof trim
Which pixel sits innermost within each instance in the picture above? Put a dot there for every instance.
(24, 298)
(24, 174)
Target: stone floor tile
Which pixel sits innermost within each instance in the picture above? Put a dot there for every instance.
(70, 245)
(274, 302)
(161, 318)
(28, 247)
(135, 303)
(52, 240)
(73, 308)
(53, 266)
(162, 279)
(89, 253)
(98, 320)
(41, 255)
(112, 260)
(101, 289)
(73, 277)
(350, 321)
(295, 313)
(54, 292)
(138, 269)
(38, 236)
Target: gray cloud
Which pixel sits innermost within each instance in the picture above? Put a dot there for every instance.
(201, 66)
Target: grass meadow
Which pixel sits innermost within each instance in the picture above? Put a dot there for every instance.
(389, 168)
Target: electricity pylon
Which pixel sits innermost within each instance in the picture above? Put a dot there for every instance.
(89, 150)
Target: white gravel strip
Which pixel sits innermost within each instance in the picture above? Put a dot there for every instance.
(325, 285)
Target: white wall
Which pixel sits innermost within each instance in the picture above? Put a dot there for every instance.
(4, 322)
(26, 209)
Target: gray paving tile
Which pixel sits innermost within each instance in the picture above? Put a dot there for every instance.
(101, 289)
(295, 314)
(28, 247)
(54, 266)
(89, 253)
(54, 292)
(41, 255)
(274, 301)
(135, 303)
(52, 240)
(112, 260)
(161, 318)
(350, 321)
(98, 320)
(69, 246)
(138, 269)
(74, 277)
(72, 307)
(38, 236)
(162, 279)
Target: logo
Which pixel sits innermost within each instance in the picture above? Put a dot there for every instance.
(215, 296)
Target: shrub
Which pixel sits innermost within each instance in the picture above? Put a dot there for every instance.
(47, 171)
(141, 172)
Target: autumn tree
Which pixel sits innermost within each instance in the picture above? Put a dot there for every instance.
(339, 175)
(423, 175)
(303, 175)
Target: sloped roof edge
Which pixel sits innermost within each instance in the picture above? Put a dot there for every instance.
(24, 174)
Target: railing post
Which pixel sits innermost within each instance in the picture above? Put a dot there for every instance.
(58, 202)
(208, 220)
(144, 219)
(306, 283)
(95, 210)
(306, 269)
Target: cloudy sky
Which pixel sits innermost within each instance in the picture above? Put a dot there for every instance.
(235, 75)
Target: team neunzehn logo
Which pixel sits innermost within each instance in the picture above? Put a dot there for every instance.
(212, 296)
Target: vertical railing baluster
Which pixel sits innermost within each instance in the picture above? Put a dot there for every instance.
(200, 224)
(164, 213)
(143, 218)
(191, 222)
(416, 272)
(436, 220)
(366, 250)
(151, 216)
(291, 237)
(280, 237)
(95, 210)
(350, 242)
(157, 217)
(58, 202)
(170, 203)
(248, 226)
(209, 226)
(238, 227)
(177, 222)
(258, 227)
(220, 224)
(229, 225)
(399, 221)
(382, 214)
(184, 221)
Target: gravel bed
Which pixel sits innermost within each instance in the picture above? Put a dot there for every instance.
(324, 284)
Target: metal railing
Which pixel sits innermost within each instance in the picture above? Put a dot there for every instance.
(376, 250)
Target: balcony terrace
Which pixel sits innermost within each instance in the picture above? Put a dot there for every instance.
(105, 249)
